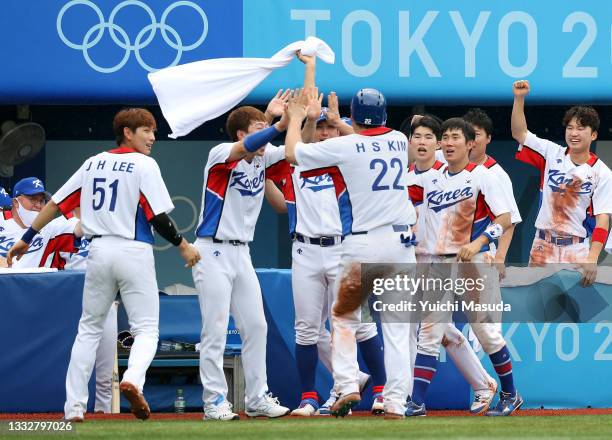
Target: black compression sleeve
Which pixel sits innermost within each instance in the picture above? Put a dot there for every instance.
(164, 226)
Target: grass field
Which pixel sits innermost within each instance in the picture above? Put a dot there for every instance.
(566, 427)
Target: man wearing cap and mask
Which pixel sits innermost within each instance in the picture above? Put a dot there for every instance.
(51, 244)
(56, 246)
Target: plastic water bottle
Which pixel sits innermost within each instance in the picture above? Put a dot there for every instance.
(179, 403)
(170, 346)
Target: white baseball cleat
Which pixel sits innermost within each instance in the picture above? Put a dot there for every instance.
(223, 412)
(378, 405)
(325, 409)
(307, 408)
(483, 398)
(268, 407)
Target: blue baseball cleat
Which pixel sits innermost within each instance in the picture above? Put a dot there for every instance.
(506, 405)
(414, 410)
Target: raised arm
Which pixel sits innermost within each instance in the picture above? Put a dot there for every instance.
(296, 112)
(313, 112)
(309, 69)
(276, 106)
(333, 116)
(254, 141)
(520, 89)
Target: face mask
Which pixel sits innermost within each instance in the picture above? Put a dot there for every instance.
(27, 216)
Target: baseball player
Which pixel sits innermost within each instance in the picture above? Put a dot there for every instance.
(575, 188)
(53, 244)
(462, 211)
(316, 230)
(368, 170)
(234, 180)
(424, 139)
(105, 355)
(483, 128)
(121, 195)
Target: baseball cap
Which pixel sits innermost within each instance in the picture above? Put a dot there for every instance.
(29, 186)
(323, 115)
(5, 199)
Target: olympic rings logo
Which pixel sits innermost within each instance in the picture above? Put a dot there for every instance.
(193, 214)
(122, 39)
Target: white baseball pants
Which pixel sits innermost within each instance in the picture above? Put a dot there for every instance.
(313, 274)
(382, 245)
(105, 361)
(433, 330)
(227, 283)
(115, 264)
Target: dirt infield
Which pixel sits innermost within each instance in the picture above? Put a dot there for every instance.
(360, 414)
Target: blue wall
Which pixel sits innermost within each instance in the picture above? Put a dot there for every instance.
(443, 51)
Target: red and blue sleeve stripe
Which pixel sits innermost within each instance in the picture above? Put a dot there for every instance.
(71, 202)
(214, 198)
(533, 158)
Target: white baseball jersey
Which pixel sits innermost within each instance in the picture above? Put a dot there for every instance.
(78, 260)
(312, 206)
(570, 195)
(505, 186)
(233, 193)
(48, 247)
(504, 181)
(414, 177)
(119, 192)
(457, 208)
(369, 175)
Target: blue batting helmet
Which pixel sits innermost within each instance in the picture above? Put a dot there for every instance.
(369, 107)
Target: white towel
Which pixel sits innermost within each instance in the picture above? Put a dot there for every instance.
(193, 93)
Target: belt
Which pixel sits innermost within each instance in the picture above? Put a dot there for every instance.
(319, 241)
(396, 228)
(559, 241)
(232, 242)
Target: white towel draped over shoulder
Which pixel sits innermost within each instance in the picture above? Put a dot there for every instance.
(193, 93)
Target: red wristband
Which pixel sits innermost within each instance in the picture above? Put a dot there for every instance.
(600, 235)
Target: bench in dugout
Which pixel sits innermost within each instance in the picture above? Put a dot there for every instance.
(178, 368)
